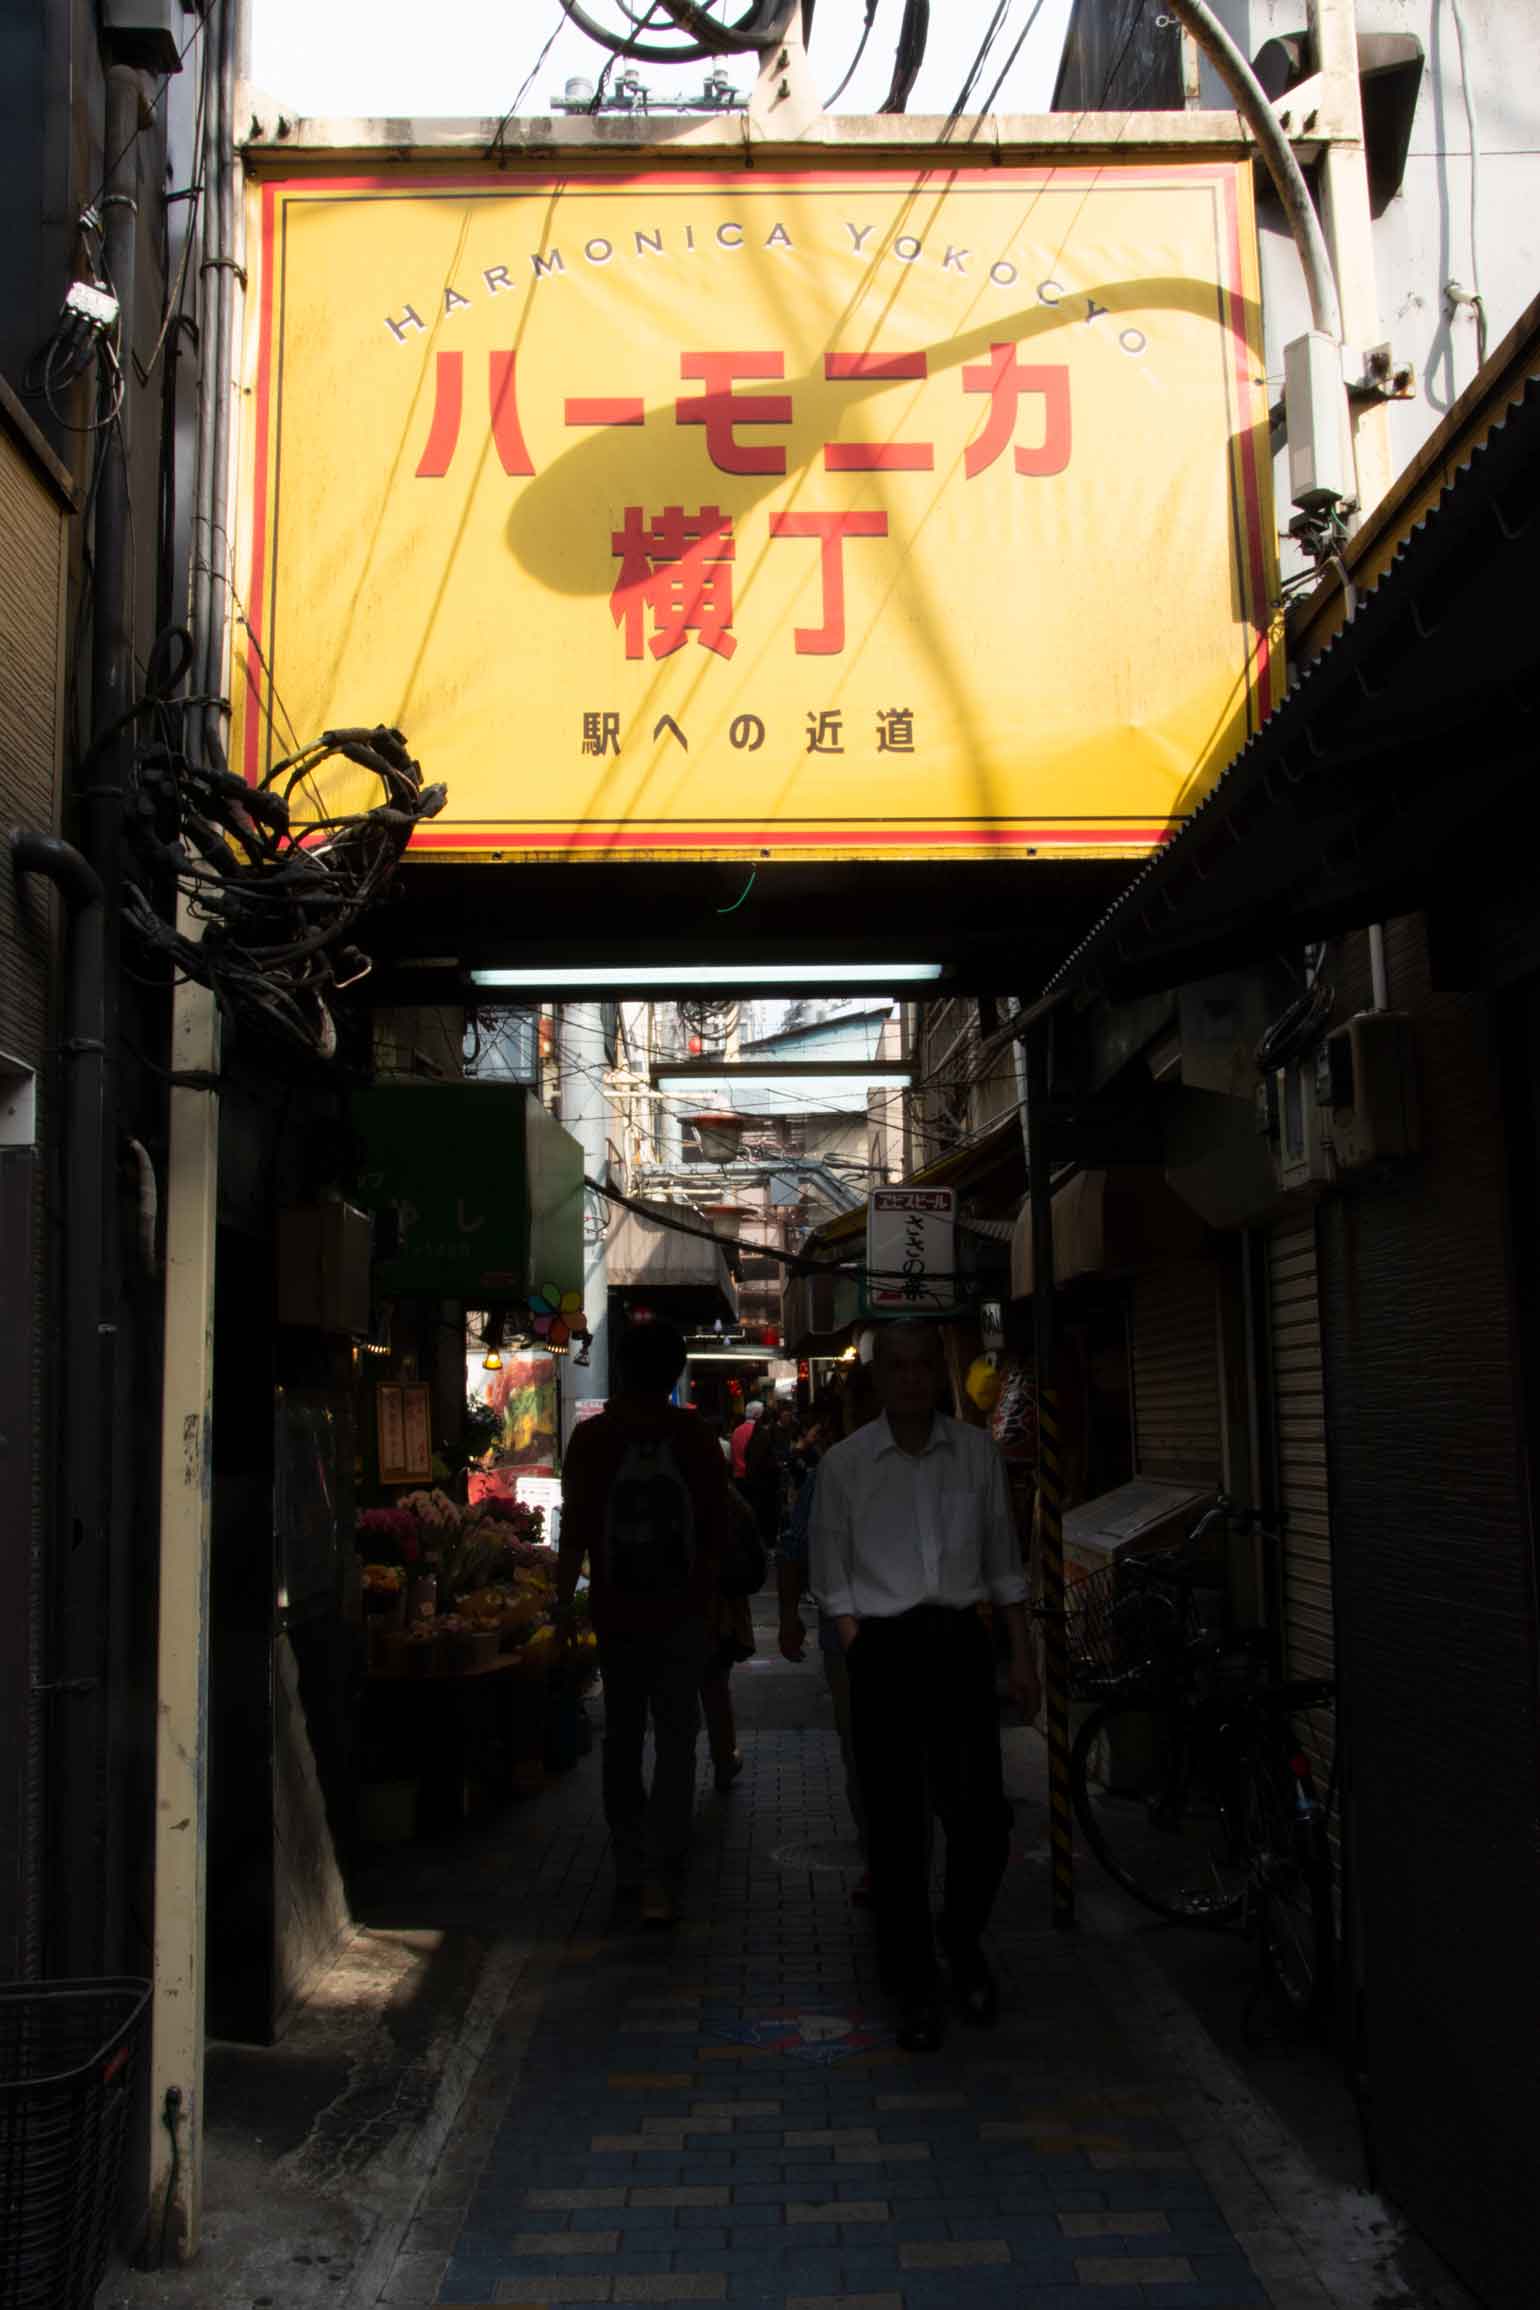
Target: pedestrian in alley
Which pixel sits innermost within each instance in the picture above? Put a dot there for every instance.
(911, 1531)
(645, 1500)
(743, 1436)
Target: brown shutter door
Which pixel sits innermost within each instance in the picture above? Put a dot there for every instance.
(1176, 1372)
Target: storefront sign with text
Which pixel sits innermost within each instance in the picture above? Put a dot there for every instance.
(764, 513)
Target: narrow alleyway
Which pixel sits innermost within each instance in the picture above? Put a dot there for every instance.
(720, 2114)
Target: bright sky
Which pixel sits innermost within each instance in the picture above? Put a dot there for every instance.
(359, 58)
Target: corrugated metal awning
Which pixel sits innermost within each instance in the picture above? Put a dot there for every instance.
(1109, 1223)
(649, 1255)
(1397, 753)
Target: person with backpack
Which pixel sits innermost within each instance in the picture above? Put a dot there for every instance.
(645, 1500)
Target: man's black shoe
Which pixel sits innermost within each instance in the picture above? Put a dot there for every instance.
(975, 1988)
(920, 2026)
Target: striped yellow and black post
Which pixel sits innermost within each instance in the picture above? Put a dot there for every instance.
(1050, 1479)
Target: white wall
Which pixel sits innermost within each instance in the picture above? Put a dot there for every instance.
(1423, 237)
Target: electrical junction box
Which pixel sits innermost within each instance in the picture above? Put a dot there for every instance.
(323, 1268)
(1302, 1154)
(1366, 1082)
(1315, 420)
(143, 32)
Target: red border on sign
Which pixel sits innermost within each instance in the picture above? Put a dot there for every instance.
(659, 837)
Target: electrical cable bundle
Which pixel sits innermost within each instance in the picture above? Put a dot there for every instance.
(1297, 1028)
(276, 889)
(710, 1022)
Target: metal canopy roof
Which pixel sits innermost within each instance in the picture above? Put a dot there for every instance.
(1390, 769)
(994, 925)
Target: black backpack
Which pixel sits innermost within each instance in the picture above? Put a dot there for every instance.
(649, 1522)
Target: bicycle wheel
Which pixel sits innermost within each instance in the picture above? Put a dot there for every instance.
(1291, 1871)
(1154, 1814)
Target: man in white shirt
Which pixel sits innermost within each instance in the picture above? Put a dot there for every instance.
(911, 1530)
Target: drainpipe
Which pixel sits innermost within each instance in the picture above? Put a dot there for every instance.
(71, 1672)
(1251, 102)
(87, 1670)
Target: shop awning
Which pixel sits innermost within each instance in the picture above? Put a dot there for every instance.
(688, 1276)
(818, 1311)
(1108, 1223)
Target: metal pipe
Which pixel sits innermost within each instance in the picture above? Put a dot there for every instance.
(1251, 102)
(1379, 975)
(585, 1111)
(69, 1668)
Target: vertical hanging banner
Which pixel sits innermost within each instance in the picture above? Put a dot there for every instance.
(693, 513)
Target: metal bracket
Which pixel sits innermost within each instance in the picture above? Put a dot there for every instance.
(1380, 376)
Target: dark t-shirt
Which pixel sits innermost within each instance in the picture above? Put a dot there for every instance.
(593, 1460)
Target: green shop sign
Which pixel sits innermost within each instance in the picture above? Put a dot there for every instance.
(476, 1192)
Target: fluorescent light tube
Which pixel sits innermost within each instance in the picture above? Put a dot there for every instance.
(717, 976)
(819, 1094)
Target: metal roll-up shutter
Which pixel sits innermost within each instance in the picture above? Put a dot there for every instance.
(1299, 1420)
(1299, 1432)
(1175, 1355)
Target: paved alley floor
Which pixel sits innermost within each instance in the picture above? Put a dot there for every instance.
(720, 2113)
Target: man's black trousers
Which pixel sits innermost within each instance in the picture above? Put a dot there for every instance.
(926, 1732)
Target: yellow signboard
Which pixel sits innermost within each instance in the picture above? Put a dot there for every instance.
(764, 513)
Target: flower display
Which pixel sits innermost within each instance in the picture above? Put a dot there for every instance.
(388, 1536)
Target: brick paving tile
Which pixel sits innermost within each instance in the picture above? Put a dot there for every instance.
(565, 2242)
(1147, 2223)
(844, 2302)
(976, 2255)
(1135, 2270)
(845, 2210)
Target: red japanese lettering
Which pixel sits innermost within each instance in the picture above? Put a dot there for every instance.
(722, 411)
(1006, 378)
(444, 427)
(831, 531)
(606, 410)
(678, 566)
(448, 410)
(876, 456)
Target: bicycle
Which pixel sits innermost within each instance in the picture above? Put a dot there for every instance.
(1186, 1778)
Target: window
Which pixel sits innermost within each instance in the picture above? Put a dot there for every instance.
(502, 1046)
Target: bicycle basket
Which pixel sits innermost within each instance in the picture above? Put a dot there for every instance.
(68, 2054)
(1117, 1627)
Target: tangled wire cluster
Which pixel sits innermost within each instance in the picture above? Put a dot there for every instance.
(275, 878)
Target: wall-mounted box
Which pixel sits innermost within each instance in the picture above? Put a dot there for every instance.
(1301, 1153)
(1367, 1080)
(144, 32)
(323, 1268)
